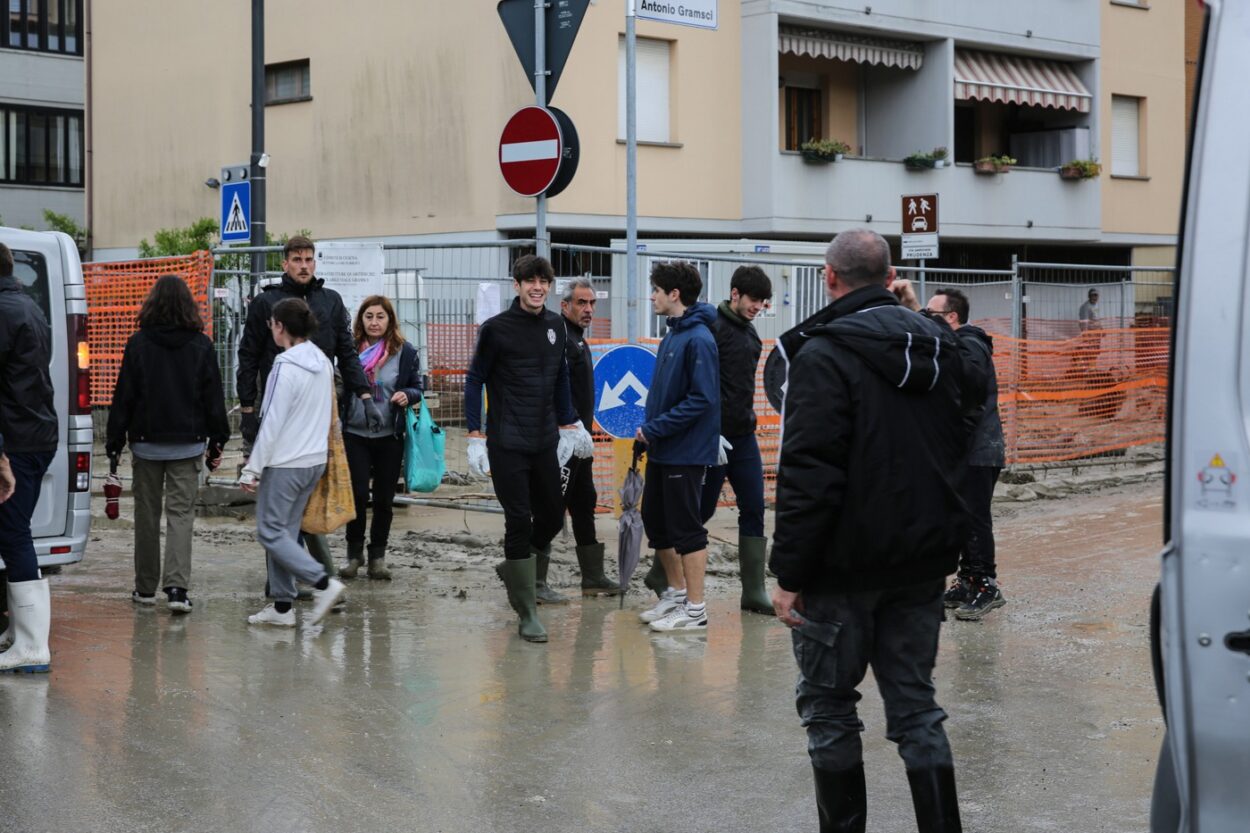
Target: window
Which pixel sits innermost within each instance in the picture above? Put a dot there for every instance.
(803, 120)
(41, 146)
(288, 82)
(1125, 136)
(43, 25)
(653, 90)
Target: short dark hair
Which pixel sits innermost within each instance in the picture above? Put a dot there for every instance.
(169, 304)
(6, 261)
(956, 302)
(680, 275)
(751, 280)
(295, 316)
(298, 243)
(532, 266)
(860, 257)
(1093, 292)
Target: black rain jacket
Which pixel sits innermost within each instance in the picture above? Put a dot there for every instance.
(581, 372)
(988, 448)
(28, 420)
(739, 347)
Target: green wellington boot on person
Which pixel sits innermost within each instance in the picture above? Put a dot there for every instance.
(751, 560)
(656, 578)
(355, 559)
(518, 576)
(377, 569)
(594, 582)
(544, 594)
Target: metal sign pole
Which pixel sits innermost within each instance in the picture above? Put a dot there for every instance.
(540, 97)
(631, 170)
(257, 167)
(923, 298)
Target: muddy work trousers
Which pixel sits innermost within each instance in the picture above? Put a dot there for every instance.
(896, 632)
(173, 484)
(528, 488)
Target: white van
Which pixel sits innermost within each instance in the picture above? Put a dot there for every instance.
(47, 265)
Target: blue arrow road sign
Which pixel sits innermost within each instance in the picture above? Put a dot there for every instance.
(622, 379)
(236, 212)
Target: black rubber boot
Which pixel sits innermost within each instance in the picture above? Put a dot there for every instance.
(355, 559)
(544, 594)
(377, 563)
(594, 582)
(656, 578)
(518, 575)
(841, 799)
(752, 553)
(933, 794)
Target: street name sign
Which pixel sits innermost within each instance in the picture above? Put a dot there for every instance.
(699, 13)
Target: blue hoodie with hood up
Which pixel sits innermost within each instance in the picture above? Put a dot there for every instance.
(683, 405)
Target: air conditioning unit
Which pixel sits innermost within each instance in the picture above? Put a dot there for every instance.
(1050, 148)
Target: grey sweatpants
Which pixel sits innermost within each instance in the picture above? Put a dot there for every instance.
(280, 503)
(174, 483)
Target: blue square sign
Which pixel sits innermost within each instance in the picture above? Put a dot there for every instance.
(236, 212)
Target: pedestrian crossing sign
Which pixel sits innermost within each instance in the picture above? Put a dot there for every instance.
(236, 212)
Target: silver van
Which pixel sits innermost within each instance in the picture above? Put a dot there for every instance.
(48, 267)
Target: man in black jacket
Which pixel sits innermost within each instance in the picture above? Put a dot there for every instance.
(30, 431)
(869, 524)
(975, 591)
(738, 346)
(333, 335)
(520, 360)
(578, 475)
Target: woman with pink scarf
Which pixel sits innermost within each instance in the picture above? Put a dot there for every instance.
(375, 457)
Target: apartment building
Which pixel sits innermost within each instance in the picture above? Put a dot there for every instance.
(42, 130)
(385, 123)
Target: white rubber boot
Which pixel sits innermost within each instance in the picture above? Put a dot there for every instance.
(30, 612)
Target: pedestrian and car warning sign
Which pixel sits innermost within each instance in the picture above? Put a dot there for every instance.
(920, 226)
(236, 212)
(622, 380)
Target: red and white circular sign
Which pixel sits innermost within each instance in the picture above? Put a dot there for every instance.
(530, 150)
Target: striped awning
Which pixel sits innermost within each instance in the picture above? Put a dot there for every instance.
(992, 76)
(822, 43)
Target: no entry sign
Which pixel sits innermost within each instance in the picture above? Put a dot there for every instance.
(530, 150)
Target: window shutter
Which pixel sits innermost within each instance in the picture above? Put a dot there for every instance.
(653, 90)
(1125, 139)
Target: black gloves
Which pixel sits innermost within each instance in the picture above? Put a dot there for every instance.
(249, 426)
(373, 416)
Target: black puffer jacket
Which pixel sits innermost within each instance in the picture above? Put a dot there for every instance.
(977, 348)
(168, 391)
(520, 359)
(333, 336)
(738, 346)
(27, 412)
(581, 372)
(872, 451)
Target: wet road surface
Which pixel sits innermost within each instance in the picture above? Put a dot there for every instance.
(420, 710)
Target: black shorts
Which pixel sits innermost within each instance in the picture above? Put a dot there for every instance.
(671, 513)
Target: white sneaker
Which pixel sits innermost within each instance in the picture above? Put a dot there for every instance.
(324, 600)
(670, 600)
(681, 620)
(271, 616)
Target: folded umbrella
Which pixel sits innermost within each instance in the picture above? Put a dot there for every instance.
(629, 541)
(112, 490)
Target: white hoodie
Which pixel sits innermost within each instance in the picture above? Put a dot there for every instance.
(295, 413)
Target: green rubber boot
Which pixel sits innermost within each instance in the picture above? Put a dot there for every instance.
(518, 575)
(355, 559)
(594, 582)
(544, 594)
(319, 548)
(656, 578)
(751, 558)
(377, 569)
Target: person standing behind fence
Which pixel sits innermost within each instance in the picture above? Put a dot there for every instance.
(376, 455)
(30, 434)
(975, 591)
(257, 349)
(739, 347)
(169, 403)
(1087, 316)
(287, 461)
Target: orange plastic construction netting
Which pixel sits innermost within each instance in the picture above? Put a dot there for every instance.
(116, 291)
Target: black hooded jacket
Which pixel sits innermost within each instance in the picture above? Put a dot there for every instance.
(581, 372)
(872, 452)
(168, 391)
(27, 413)
(738, 346)
(334, 336)
(977, 348)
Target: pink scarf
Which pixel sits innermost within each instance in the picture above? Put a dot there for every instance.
(371, 358)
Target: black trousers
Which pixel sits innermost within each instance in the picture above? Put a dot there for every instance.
(977, 559)
(376, 460)
(580, 498)
(528, 487)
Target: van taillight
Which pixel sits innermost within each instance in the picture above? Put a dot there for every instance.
(80, 400)
(80, 471)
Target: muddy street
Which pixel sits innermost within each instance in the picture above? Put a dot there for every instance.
(419, 709)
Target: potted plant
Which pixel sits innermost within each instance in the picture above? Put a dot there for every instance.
(939, 157)
(921, 160)
(993, 164)
(824, 150)
(1080, 169)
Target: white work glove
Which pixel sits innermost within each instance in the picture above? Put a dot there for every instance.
(479, 462)
(574, 442)
(722, 453)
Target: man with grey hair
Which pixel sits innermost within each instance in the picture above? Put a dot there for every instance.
(869, 524)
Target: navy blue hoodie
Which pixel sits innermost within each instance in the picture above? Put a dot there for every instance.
(683, 404)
